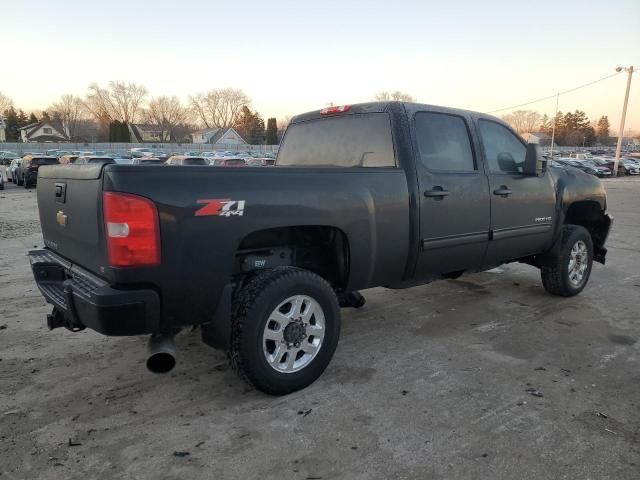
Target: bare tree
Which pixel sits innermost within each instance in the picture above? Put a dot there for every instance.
(219, 107)
(71, 111)
(167, 113)
(119, 101)
(5, 102)
(523, 121)
(396, 96)
(284, 122)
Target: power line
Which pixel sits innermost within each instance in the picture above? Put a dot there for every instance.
(555, 94)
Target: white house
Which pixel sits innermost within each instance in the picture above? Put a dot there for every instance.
(218, 135)
(41, 132)
(540, 138)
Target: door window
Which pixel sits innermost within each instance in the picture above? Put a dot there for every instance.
(503, 150)
(443, 142)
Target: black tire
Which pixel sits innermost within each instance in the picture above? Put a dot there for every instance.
(252, 306)
(555, 266)
(20, 183)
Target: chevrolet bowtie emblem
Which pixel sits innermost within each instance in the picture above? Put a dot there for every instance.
(61, 218)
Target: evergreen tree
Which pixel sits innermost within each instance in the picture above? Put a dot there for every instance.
(114, 131)
(33, 118)
(602, 129)
(272, 132)
(12, 123)
(250, 126)
(560, 129)
(125, 135)
(545, 125)
(23, 120)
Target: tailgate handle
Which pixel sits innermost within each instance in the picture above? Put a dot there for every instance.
(61, 192)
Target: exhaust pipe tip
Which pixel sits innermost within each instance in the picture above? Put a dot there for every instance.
(162, 358)
(161, 362)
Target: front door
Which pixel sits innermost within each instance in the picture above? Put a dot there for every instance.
(454, 200)
(522, 207)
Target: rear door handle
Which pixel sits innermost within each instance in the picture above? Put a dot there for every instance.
(437, 192)
(503, 191)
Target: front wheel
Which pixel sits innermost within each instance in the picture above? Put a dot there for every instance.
(566, 271)
(285, 329)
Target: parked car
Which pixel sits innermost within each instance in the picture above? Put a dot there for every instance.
(230, 162)
(1, 180)
(27, 173)
(93, 159)
(259, 160)
(631, 167)
(586, 166)
(380, 194)
(138, 152)
(182, 160)
(147, 161)
(11, 170)
(6, 156)
(610, 163)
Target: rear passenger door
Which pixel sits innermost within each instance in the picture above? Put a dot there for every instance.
(454, 195)
(522, 207)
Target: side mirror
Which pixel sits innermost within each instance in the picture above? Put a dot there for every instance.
(534, 163)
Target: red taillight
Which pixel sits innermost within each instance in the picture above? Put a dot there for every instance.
(334, 110)
(132, 230)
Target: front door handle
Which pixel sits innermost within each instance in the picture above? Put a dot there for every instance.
(503, 191)
(436, 192)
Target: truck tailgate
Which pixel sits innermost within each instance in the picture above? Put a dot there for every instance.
(69, 203)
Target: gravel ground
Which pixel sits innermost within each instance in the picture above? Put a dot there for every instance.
(429, 382)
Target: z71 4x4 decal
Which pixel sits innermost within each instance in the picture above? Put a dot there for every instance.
(221, 207)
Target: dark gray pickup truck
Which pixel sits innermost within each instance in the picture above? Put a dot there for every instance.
(262, 259)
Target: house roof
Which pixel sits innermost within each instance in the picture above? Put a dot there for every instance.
(55, 134)
(540, 135)
(30, 126)
(205, 131)
(147, 127)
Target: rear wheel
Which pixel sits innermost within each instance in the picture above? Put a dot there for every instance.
(285, 329)
(566, 272)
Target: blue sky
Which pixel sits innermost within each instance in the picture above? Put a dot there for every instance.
(293, 56)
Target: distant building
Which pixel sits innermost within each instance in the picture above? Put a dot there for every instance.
(218, 135)
(540, 138)
(42, 131)
(141, 133)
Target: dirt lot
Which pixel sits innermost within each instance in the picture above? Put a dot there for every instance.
(428, 382)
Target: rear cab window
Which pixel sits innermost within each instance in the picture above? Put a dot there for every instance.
(360, 140)
(44, 161)
(194, 161)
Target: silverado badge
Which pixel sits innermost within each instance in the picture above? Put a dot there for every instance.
(61, 218)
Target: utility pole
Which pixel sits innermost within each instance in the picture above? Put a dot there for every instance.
(553, 131)
(630, 71)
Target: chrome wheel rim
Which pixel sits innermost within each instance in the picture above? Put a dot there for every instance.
(578, 263)
(293, 334)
